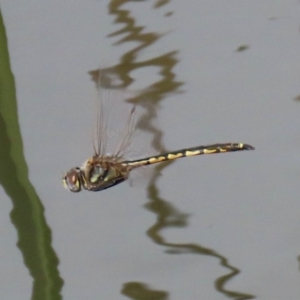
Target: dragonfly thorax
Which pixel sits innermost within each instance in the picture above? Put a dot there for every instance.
(99, 173)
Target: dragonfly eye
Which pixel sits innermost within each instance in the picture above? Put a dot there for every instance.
(71, 180)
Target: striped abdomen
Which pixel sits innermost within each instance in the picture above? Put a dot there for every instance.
(200, 150)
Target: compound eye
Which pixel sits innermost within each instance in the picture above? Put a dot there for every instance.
(71, 181)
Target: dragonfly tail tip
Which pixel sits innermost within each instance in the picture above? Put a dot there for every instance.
(248, 147)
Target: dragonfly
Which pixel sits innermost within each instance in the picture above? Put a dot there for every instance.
(102, 171)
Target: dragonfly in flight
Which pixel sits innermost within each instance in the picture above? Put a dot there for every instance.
(102, 171)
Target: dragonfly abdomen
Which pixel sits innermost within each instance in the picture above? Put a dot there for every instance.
(200, 150)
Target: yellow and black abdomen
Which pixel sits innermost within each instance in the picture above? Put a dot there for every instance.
(200, 150)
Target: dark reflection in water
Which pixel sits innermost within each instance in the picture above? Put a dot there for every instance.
(160, 3)
(167, 215)
(27, 215)
(242, 48)
(297, 98)
(140, 291)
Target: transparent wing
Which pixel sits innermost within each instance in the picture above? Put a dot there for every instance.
(140, 177)
(115, 119)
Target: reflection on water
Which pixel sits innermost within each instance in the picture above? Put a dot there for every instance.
(27, 215)
(167, 215)
(140, 291)
(160, 3)
(242, 48)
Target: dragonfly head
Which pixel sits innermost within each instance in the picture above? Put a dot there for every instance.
(72, 180)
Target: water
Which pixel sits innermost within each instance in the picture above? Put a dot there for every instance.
(211, 227)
